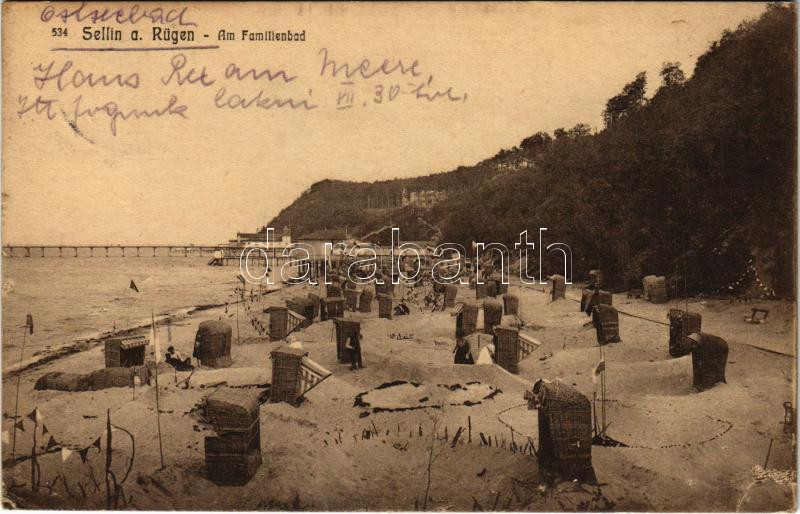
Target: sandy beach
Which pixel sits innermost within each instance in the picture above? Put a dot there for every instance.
(685, 450)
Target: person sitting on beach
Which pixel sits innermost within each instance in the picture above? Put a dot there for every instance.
(177, 360)
(401, 309)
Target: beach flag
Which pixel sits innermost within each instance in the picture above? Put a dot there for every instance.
(36, 416)
(601, 366)
(5, 437)
(133, 286)
(44, 429)
(96, 444)
(50, 443)
(83, 454)
(153, 338)
(66, 453)
(29, 324)
(20, 425)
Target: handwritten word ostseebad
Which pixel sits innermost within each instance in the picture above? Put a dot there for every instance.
(123, 15)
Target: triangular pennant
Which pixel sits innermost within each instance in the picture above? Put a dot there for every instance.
(133, 286)
(5, 437)
(34, 415)
(52, 442)
(44, 429)
(66, 453)
(96, 444)
(20, 425)
(83, 453)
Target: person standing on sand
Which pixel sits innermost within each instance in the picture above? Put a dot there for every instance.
(354, 347)
(462, 353)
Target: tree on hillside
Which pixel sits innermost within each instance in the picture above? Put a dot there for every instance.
(631, 99)
(536, 141)
(579, 130)
(672, 74)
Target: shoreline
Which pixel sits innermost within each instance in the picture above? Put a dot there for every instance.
(80, 344)
(85, 343)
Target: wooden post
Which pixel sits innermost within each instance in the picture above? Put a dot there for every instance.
(237, 316)
(766, 461)
(34, 464)
(108, 457)
(158, 404)
(469, 429)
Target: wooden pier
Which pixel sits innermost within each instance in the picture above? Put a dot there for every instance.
(109, 250)
(220, 255)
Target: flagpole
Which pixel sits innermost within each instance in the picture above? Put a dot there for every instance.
(34, 464)
(158, 405)
(108, 457)
(603, 392)
(128, 307)
(16, 401)
(237, 318)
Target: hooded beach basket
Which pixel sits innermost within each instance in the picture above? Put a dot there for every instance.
(212, 344)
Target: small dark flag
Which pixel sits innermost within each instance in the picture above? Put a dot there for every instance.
(20, 425)
(29, 324)
(52, 442)
(241, 278)
(83, 454)
(44, 429)
(96, 444)
(35, 415)
(133, 286)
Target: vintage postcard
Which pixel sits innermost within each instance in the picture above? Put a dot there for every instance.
(399, 256)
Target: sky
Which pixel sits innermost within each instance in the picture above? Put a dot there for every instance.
(71, 176)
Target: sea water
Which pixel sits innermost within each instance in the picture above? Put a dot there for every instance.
(74, 298)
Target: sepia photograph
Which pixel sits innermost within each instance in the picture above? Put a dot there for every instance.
(399, 256)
